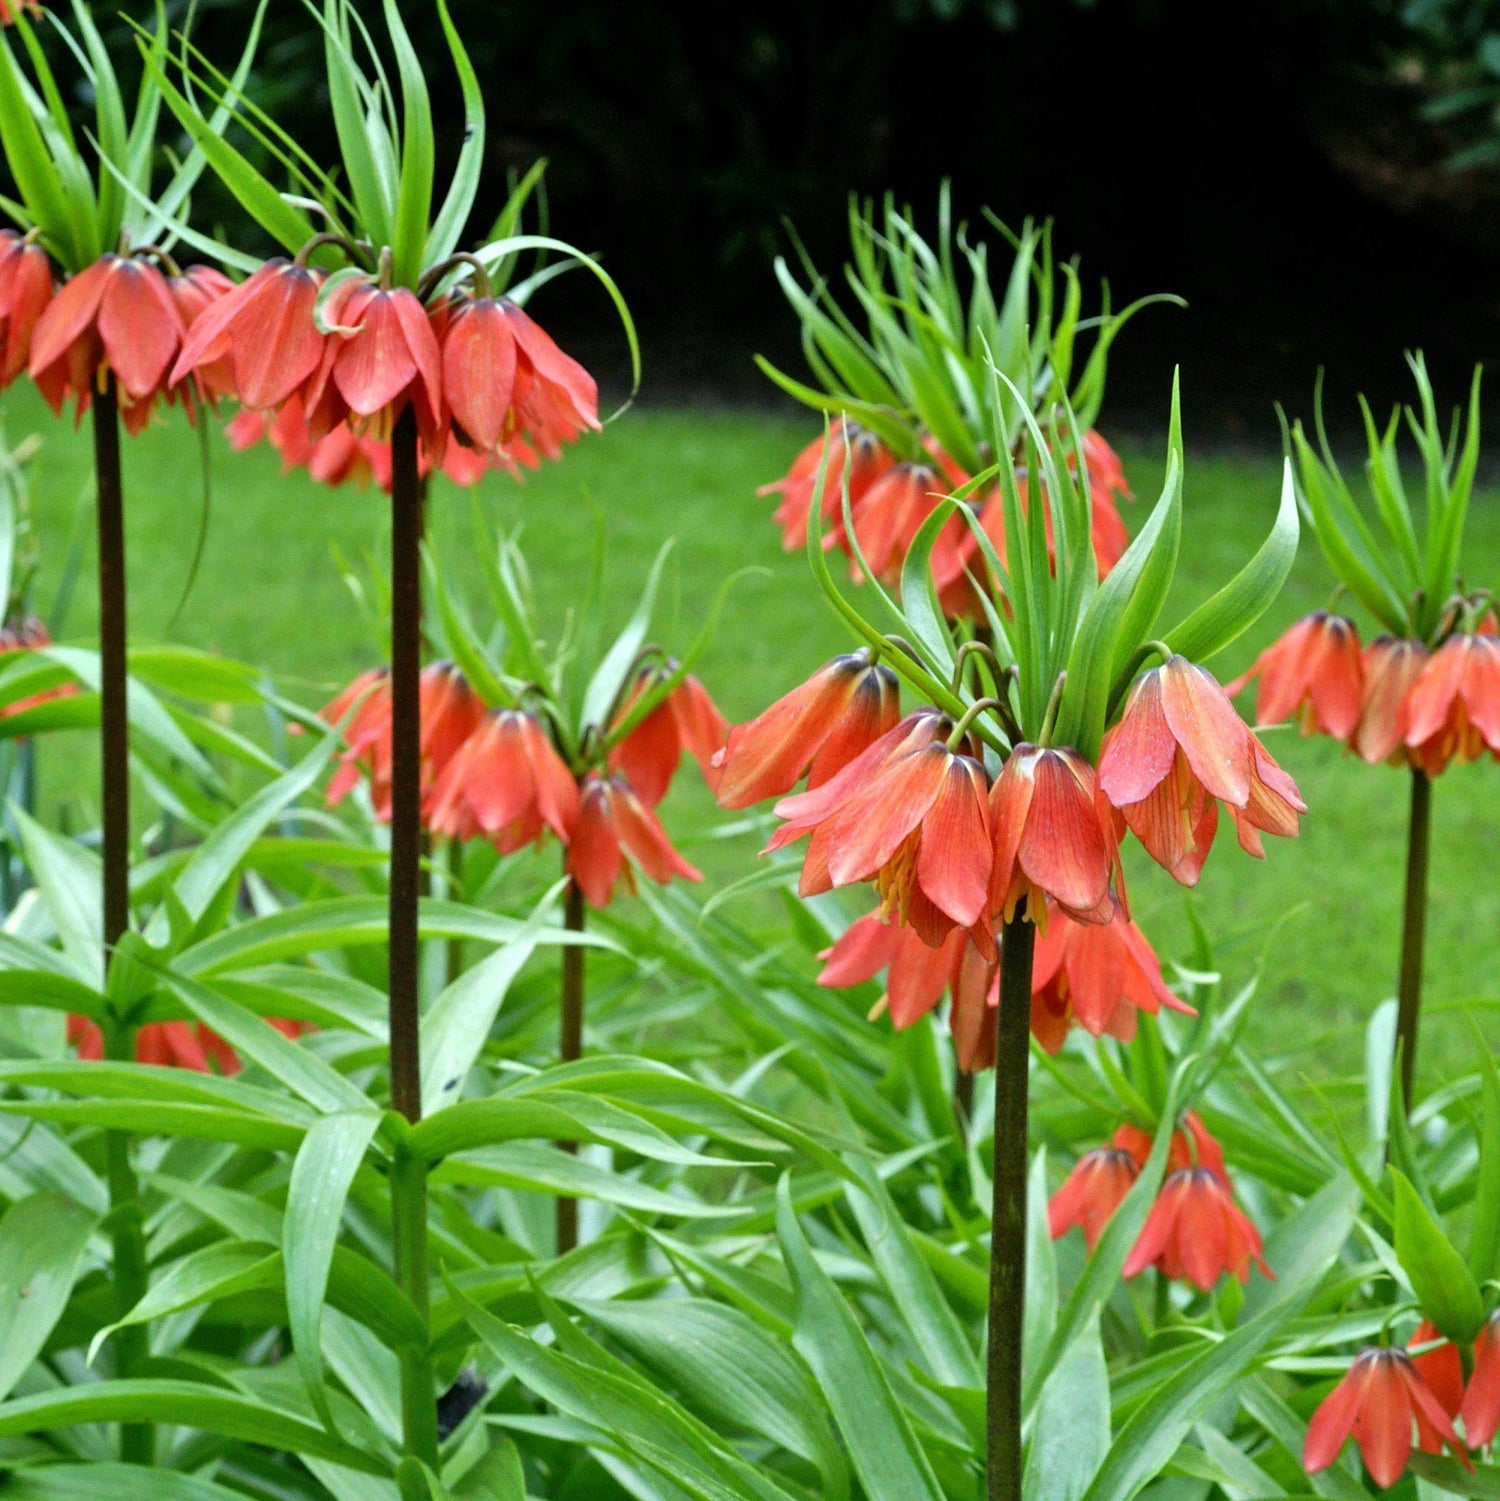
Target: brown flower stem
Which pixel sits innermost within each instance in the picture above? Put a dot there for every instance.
(452, 886)
(408, 1177)
(137, 1440)
(1008, 1212)
(963, 1103)
(1413, 930)
(570, 1040)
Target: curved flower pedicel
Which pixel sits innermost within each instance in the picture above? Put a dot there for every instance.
(1378, 1404)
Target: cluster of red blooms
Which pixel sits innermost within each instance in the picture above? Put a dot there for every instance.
(1392, 700)
(189, 1045)
(125, 315)
(341, 455)
(889, 499)
(1096, 976)
(496, 773)
(474, 369)
(908, 804)
(1195, 1229)
(1388, 1393)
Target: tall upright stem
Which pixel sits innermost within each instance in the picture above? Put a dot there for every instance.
(1008, 1212)
(1413, 930)
(408, 1177)
(570, 1040)
(137, 1442)
(113, 742)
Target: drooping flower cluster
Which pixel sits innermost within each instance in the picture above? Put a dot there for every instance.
(1391, 1398)
(497, 774)
(890, 498)
(953, 852)
(1195, 1230)
(356, 355)
(1097, 976)
(341, 455)
(1395, 700)
(124, 317)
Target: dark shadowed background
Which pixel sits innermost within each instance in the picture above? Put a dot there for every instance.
(1316, 177)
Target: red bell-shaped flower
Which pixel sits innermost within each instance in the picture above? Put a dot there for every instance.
(1389, 667)
(1315, 671)
(815, 730)
(507, 782)
(25, 291)
(612, 823)
(910, 814)
(848, 446)
(1050, 838)
(686, 719)
(265, 331)
(1196, 1230)
(1378, 1403)
(1453, 707)
(117, 315)
(1179, 747)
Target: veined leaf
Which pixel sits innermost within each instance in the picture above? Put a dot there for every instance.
(330, 1155)
(1242, 601)
(885, 1453)
(42, 1240)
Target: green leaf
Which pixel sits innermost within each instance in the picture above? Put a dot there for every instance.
(1444, 1286)
(448, 227)
(32, 166)
(887, 1458)
(939, 1336)
(456, 1027)
(70, 880)
(414, 195)
(216, 860)
(88, 1482)
(287, 225)
(1484, 1234)
(609, 681)
(367, 184)
(1039, 1317)
(1070, 1435)
(42, 1240)
(1148, 1440)
(301, 1070)
(148, 716)
(732, 1370)
(1242, 601)
(329, 1157)
(189, 1405)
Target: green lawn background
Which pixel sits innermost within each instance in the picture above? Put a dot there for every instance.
(269, 591)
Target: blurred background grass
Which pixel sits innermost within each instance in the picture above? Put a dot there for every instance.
(269, 590)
